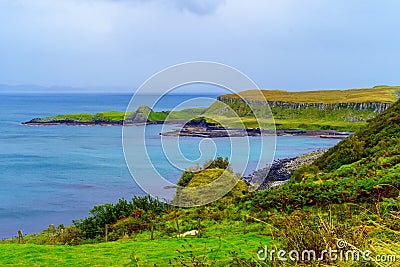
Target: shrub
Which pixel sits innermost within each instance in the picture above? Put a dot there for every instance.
(71, 235)
(108, 214)
(185, 178)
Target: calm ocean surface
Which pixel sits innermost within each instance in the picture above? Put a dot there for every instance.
(54, 174)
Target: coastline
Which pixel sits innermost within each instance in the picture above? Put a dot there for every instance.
(204, 131)
(233, 132)
(35, 122)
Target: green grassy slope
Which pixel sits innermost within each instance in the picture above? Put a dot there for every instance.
(379, 139)
(357, 182)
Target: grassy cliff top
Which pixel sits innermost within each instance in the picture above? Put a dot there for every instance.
(142, 114)
(384, 94)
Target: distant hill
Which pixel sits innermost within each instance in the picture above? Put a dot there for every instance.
(324, 109)
(380, 94)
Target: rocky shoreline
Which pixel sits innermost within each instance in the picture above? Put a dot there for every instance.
(233, 132)
(37, 122)
(281, 170)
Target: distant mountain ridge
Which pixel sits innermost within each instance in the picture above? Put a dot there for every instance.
(38, 89)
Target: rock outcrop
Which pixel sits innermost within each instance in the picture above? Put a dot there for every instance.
(141, 115)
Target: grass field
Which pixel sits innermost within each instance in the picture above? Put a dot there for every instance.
(86, 117)
(185, 114)
(140, 251)
(301, 123)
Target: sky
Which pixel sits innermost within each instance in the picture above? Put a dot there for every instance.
(280, 44)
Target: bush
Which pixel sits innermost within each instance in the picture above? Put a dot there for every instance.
(109, 214)
(218, 163)
(71, 235)
(185, 178)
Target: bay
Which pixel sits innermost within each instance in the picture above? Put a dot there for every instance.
(53, 174)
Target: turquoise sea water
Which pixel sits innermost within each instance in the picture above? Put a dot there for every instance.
(53, 174)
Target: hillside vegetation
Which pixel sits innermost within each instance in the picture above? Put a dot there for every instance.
(212, 182)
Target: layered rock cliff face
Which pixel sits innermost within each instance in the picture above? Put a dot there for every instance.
(377, 107)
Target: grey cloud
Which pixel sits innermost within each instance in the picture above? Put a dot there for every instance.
(199, 7)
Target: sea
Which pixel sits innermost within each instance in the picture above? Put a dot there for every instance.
(56, 174)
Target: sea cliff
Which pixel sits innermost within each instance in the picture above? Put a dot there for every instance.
(377, 107)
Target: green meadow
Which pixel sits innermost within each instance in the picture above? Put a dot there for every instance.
(139, 251)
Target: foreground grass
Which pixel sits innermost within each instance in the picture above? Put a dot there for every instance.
(138, 252)
(365, 227)
(106, 254)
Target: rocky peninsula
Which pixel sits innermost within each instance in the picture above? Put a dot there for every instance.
(201, 128)
(281, 170)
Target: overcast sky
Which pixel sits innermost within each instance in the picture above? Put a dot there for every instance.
(287, 44)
